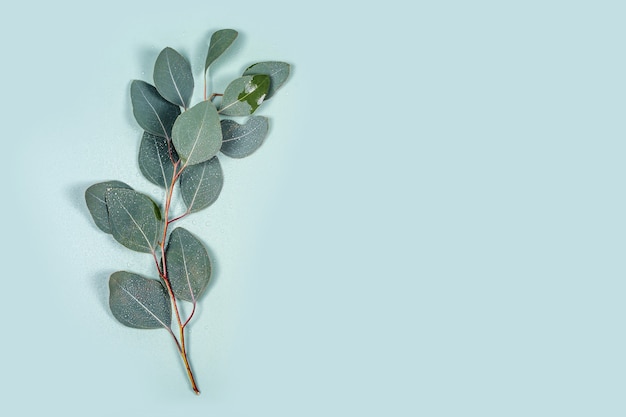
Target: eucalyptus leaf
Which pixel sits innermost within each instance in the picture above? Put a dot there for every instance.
(135, 219)
(139, 302)
(201, 184)
(155, 161)
(220, 41)
(244, 95)
(95, 197)
(188, 265)
(152, 112)
(173, 78)
(239, 140)
(277, 71)
(197, 134)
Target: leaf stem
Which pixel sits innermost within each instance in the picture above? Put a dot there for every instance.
(179, 217)
(162, 269)
(193, 310)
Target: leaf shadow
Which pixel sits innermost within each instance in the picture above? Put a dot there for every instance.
(127, 107)
(99, 284)
(75, 193)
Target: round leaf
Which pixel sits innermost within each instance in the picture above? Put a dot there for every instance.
(201, 184)
(155, 161)
(277, 71)
(135, 219)
(240, 141)
(95, 197)
(244, 95)
(220, 41)
(188, 265)
(152, 112)
(173, 78)
(139, 302)
(197, 134)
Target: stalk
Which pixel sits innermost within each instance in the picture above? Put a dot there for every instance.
(162, 269)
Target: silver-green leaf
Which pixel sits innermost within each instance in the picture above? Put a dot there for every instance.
(220, 41)
(239, 140)
(135, 219)
(277, 71)
(95, 197)
(173, 78)
(152, 112)
(155, 161)
(188, 265)
(244, 95)
(197, 134)
(139, 302)
(201, 184)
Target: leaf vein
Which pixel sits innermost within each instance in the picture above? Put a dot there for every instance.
(136, 224)
(143, 306)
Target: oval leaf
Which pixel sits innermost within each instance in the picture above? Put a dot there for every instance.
(135, 219)
(197, 134)
(277, 71)
(201, 184)
(188, 265)
(244, 95)
(95, 197)
(139, 302)
(240, 141)
(155, 161)
(152, 112)
(220, 41)
(173, 78)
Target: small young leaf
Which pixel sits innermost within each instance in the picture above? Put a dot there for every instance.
(173, 78)
(200, 184)
(244, 95)
(154, 159)
(152, 112)
(188, 265)
(135, 219)
(139, 302)
(95, 197)
(220, 41)
(277, 71)
(240, 141)
(197, 134)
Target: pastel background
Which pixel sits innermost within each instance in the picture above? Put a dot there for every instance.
(436, 225)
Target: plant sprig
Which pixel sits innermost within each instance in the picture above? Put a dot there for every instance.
(178, 150)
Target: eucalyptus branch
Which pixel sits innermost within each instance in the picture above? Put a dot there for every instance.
(179, 150)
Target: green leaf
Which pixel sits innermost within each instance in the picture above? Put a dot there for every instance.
(240, 141)
(135, 219)
(154, 159)
(244, 95)
(220, 41)
(95, 197)
(188, 265)
(139, 302)
(197, 134)
(152, 112)
(200, 184)
(277, 71)
(173, 78)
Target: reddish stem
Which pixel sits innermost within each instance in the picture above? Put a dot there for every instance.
(162, 269)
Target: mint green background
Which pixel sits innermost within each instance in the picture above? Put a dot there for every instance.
(435, 226)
